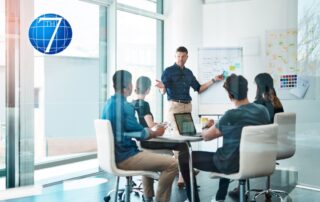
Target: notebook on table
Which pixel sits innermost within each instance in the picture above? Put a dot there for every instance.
(185, 124)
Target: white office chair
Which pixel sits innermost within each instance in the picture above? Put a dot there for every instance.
(106, 158)
(286, 134)
(286, 147)
(257, 155)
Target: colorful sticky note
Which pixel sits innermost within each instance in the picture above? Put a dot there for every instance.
(225, 74)
(232, 68)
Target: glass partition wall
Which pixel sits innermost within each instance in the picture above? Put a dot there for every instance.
(306, 158)
(66, 85)
(52, 100)
(2, 94)
(139, 53)
(48, 102)
(69, 86)
(285, 43)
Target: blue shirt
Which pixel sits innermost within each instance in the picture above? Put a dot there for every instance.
(178, 81)
(125, 126)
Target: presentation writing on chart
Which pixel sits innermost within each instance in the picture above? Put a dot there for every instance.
(215, 61)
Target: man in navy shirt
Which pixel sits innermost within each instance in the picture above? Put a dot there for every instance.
(176, 82)
(125, 127)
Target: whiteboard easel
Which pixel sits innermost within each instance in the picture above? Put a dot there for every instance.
(212, 62)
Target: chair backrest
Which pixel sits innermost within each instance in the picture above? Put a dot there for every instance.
(286, 134)
(258, 151)
(105, 146)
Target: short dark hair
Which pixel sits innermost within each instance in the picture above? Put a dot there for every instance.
(121, 80)
(236, 86)
(143, 83)
(182, 49)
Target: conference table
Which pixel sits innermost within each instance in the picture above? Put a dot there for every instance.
(170, 138)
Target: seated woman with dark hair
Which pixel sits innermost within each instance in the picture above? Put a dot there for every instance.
(142, 107)
(266, 94)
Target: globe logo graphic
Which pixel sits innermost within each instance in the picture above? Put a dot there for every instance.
(50, 33)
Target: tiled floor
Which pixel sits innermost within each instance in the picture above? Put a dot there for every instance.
(93, 189)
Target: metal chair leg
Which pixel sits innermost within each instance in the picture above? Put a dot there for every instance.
(117, 189)
(242, 190)
(248, 184)
(128, 189)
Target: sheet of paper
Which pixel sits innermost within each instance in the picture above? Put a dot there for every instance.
(301, 89)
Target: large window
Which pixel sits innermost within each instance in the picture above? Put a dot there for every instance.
(148, 5)
(138, 42)
(2, 90)
(137, 53)
(67, 85)
(57, 109)
(2, 33)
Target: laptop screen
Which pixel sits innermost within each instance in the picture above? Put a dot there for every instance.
(185, 123)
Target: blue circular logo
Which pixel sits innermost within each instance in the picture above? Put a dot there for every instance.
(50, 33)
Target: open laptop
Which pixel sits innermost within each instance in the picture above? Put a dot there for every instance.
(185, 124)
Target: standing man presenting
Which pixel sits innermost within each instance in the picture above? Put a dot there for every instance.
(176, 82)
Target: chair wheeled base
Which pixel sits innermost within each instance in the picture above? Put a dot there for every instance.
(286, 147)
(268, 192)
(124, 194)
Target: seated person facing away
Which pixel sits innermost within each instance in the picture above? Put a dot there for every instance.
(226, 158)
(266, 94)
(125, 127)
(143, 85)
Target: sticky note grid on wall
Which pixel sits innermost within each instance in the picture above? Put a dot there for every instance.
(288, 81)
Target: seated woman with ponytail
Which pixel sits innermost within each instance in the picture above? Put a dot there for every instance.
(266, 94)
(142, 107)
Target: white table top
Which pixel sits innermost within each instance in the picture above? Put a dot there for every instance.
(176, 138)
